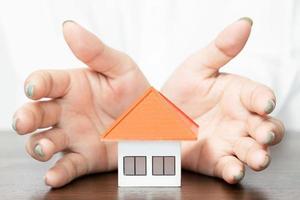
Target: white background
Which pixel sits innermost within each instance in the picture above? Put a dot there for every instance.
(158, 34)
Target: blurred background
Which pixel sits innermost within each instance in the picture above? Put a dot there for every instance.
(158, 35)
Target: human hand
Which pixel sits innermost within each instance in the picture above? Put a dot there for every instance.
(232, 111)
(82, 104)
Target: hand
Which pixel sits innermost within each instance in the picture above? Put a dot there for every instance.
(83, 103)
(232, 111)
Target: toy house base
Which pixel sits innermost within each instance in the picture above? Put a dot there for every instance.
(149, 164)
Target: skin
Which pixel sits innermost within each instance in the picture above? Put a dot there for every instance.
(232, 111)
(235, 129)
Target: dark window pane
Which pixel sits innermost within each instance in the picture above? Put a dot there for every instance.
(140, 165)
(128, 165)
(157, 165)
(169, 162)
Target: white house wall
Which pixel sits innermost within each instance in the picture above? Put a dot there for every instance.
(149, 149)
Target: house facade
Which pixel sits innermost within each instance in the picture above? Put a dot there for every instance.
(149, 163)
(149, 136)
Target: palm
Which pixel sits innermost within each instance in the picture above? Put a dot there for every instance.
(220, 114)
(87, 115)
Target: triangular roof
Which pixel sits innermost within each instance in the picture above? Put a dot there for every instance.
(152, 117)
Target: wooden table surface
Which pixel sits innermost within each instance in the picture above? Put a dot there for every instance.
(22, 178)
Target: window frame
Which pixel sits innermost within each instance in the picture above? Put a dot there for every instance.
(163, 170)
(134, 166)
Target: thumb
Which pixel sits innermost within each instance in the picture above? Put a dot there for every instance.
(222, 49)
(93, 52)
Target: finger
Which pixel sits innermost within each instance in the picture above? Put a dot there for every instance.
(42, 146)
(34, 115)
(220, 51)
(251, 153)
(266, 131)
(93, 52)
(258, 98)
(47, 83)
(230, 168)
(69, 167)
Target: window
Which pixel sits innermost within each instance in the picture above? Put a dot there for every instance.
(134, 165)
(163, 165)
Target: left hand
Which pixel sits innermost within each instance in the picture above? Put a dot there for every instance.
(232, 111)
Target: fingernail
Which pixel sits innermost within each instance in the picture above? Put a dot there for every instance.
(270, 106)
(270, 138)
(239, 176)
(29, 89)
(14, 124)
(266, 162)
(38, 150)
(66, 21)
(248, 19)
(45, 178)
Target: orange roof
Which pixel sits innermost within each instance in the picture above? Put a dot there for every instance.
(152, 117)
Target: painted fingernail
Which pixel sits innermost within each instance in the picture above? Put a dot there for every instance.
(239, 176)
(45, 178)
(270, 138)
(266, 162)
(248, 19)
(29, 89)
(38, 150)
(270, 106)
(66, 21)
(14, 123)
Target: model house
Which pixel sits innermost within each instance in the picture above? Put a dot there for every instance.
(149, 135)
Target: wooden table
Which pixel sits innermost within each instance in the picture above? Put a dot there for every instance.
(22, 178)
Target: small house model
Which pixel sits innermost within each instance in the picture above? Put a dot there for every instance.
(149, 135)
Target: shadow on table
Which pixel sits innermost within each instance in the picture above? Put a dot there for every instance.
(194, 186)
(204, 187)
